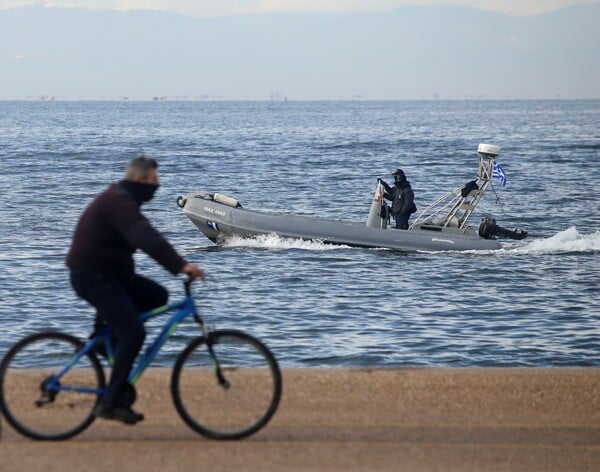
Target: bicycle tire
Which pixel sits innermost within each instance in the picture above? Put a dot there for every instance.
(232, 412)
(44, 413)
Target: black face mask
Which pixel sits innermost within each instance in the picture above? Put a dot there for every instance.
(399, 182)
(141, 192)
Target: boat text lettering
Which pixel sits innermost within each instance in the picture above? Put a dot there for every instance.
(214, 211)
(439, 240)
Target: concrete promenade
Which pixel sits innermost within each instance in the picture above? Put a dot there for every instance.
(356, 419)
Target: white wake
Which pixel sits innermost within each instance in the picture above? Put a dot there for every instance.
(569, 240)
(273, 241)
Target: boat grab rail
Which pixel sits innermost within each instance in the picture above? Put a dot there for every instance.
(215, 197)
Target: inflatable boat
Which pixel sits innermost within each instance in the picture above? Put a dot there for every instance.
(441, 226)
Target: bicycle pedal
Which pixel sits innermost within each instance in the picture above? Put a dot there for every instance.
(43, 401)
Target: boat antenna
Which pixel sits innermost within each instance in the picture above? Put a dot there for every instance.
(498, 201)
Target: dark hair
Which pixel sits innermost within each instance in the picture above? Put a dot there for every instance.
(139, 167)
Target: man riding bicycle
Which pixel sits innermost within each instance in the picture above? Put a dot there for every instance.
(102, 268)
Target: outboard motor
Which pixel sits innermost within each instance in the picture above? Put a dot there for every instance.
(488, 229)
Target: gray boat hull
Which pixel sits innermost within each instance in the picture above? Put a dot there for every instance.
(217, 220)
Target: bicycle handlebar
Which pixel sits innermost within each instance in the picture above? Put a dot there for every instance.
(187, 282)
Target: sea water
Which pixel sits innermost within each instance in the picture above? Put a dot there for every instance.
(535, 302)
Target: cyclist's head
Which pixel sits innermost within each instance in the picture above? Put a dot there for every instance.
(142, 169)
(141, 178)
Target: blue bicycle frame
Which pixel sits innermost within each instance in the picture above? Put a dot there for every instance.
(183, 309)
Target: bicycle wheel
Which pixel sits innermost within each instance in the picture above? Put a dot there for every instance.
(234, 401)
(28, 400)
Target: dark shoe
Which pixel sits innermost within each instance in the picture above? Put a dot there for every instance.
(120, 413)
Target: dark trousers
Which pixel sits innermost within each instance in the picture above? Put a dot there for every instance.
(118, 302)
(402, 221)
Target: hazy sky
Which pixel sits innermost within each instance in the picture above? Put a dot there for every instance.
(207, 8)
(300, 49)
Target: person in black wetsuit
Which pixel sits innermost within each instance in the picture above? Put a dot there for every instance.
(102, 272)
(402, 197)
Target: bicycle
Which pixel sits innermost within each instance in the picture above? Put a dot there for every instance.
(225, 384)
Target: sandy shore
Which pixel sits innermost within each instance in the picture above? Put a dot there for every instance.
(357, 419)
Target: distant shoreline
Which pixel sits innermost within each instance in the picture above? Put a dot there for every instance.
(318, 100)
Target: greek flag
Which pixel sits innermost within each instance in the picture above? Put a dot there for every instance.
(498, 173)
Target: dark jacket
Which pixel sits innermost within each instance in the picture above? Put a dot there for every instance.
(111, 229)
(403, 198)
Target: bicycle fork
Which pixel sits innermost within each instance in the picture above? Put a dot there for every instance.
(213, 357)
(223, 382)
